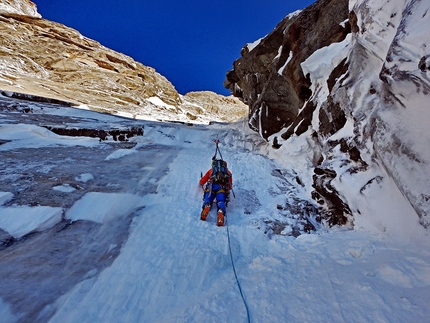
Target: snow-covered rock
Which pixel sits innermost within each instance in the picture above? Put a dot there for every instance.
(359, 97)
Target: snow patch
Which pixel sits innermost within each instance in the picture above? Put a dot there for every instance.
(31, 136)
(322, 62)
(84, 177)
(281, 70)
(294, 14)
(65, 188)
(5, 197)
(103, 207)
(120, 153)
(21, 220)
(157, 101)
(252, 45)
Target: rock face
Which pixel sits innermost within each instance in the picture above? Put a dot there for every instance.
(20, 7)
(351, 78)
(47, 59)
(268, 76)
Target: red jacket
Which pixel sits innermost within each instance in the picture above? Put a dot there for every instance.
(208, 174)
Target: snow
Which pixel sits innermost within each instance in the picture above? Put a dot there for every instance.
(5, 197)
(84, 177)
(290, 57)
(254, 44)
(120, 153)
(65, 188)
(103, 207)
(157, 101)
(172, 267)
(6, 313)
(32, 136)
(322, 62)
(21, 220)
(294, 14)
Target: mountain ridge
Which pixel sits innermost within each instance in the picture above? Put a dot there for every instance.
(44, 58)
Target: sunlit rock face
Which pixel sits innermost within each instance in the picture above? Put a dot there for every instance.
(20, 7)
(349, 79)
(214, 106)
(48, 59)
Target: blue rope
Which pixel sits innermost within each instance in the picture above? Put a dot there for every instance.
(235, 275)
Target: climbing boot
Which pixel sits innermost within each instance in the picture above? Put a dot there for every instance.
(220, 221)
(205, 212)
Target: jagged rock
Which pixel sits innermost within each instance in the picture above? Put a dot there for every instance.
(269, 78)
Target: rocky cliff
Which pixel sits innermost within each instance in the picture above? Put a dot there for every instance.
(350, 79)
(268, 76)
(47, 59)
(20, 7)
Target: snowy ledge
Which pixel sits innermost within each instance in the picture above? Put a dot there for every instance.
(21, 220)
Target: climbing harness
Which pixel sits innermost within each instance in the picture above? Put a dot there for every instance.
(218, 151)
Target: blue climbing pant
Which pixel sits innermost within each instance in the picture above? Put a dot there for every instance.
(217, 192)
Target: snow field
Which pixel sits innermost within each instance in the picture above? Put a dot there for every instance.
(171, 258)
(175, 268)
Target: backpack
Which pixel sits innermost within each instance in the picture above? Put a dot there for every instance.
(220, 173)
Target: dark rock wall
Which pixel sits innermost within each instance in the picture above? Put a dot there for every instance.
(269, 77)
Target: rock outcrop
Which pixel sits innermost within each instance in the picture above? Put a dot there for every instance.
(268, 76)
(351, 78)
(43, 58)
(20, 7)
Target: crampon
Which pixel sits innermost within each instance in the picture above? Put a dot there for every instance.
(205, 212)
(220, 221)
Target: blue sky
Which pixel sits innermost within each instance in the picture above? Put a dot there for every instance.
(192, 43)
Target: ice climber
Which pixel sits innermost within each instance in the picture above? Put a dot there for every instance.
(219, 182)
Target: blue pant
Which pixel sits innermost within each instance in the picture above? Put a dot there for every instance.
(217, 192)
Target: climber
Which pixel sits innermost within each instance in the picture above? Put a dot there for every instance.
(219, 182)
